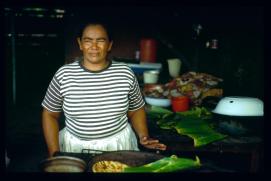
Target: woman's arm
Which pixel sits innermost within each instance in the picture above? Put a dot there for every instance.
(139, 123)
(50, 127)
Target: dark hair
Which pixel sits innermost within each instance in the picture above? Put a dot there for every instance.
(102, 23)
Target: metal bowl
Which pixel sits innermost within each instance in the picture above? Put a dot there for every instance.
(63, 164)
(239, 106)
(162, 102)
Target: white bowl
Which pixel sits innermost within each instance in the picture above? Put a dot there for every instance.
(158, 101)
(151, 77)
(239, 106)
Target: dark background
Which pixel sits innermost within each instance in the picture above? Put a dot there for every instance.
(42, 44)
(39, 39)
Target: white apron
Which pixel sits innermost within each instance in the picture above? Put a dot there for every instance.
(124, 140)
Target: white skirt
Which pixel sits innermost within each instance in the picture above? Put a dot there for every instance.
(124, 140)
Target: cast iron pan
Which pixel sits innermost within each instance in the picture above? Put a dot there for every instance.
(131, 158)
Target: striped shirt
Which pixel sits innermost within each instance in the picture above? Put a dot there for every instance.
(95, 104)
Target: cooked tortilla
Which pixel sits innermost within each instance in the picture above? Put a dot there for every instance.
(109, 166)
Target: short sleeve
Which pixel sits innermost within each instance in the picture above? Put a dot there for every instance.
(135, 96)
(53, 99)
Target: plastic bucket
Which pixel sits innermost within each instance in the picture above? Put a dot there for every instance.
(180, 104)
(148, 50)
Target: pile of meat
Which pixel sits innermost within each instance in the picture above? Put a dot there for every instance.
(196, 86)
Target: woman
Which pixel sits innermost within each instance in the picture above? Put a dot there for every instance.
(99, 98)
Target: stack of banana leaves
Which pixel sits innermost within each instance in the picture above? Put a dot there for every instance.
(167, 164)
(194, 123)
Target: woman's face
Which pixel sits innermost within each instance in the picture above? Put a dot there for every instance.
(94, 44)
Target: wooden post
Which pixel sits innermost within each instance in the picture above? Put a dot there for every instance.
(13, 57)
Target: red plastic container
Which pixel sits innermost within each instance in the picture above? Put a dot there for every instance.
(148, 50)
(180, 104)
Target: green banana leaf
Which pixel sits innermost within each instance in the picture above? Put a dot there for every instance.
(168, 121)
(199, 131)
(158, 112)
(200, 112)
(167, 164)
(193, 123)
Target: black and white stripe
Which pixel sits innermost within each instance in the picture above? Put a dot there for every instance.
(95, 104)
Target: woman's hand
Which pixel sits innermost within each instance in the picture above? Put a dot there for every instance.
(152, 143)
